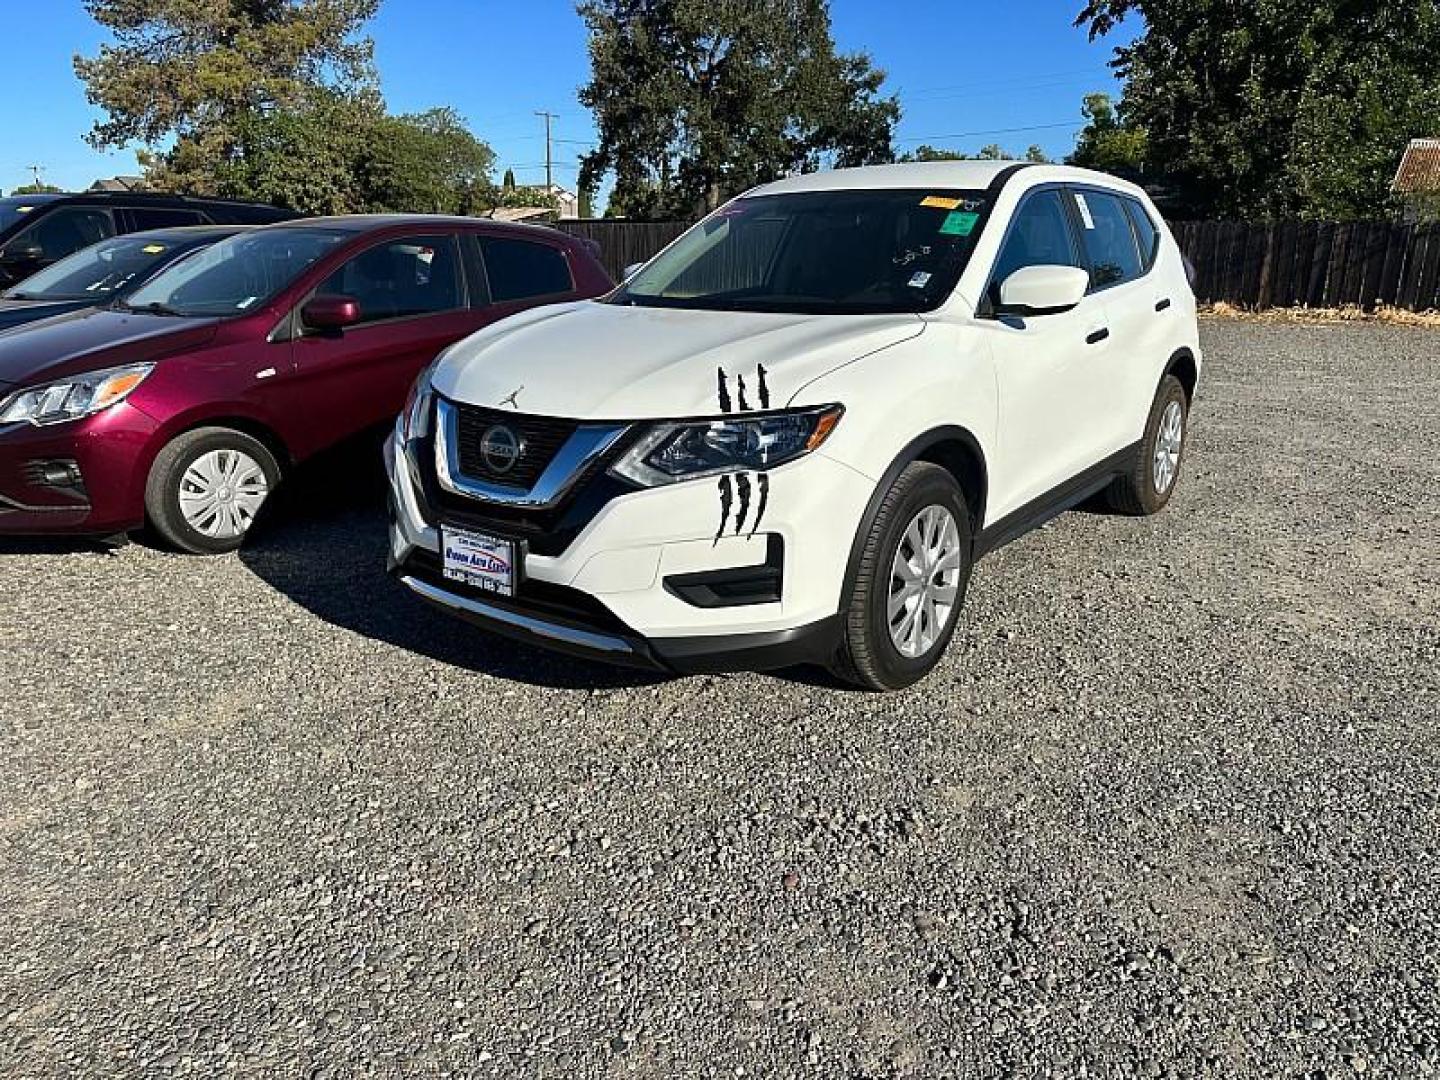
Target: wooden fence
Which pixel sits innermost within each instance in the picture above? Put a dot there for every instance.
(1314, 264)
(1286, 264)
(623, 243)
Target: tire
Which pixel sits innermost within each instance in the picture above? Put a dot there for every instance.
(868, 655)
(1139, 492)
(242, 472)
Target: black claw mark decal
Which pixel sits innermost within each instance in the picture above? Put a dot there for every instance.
(727, 497)
(764, 390)
(740, 384)
(742, 484)
(724, 391)
(764, 481)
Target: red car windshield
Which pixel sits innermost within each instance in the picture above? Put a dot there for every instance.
(238, 274)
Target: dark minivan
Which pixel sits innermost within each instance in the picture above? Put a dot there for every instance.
(37, 230)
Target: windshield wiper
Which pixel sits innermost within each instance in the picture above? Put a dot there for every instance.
(152, 308)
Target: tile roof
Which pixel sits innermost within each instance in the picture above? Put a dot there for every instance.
(1420, 169)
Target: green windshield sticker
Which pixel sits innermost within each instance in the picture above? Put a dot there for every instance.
(959, 223)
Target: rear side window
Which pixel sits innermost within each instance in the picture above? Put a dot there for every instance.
(1109, 239)
(147, 218)
(1041, 236)
(1145, 232)
(520, 269)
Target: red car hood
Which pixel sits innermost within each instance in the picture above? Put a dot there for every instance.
(88, 340)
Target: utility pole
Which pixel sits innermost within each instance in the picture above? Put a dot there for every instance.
(549, 156)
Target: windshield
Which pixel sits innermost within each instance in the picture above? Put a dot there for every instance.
(826, 252)
(99, 271)
(235, 275)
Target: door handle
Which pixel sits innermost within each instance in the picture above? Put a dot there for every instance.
(1098, 336)
(1163, 305)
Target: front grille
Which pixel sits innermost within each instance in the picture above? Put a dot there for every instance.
(541, 438)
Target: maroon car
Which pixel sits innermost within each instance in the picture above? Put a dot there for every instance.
(183, 405)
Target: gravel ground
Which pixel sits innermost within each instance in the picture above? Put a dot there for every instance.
(1169, 808)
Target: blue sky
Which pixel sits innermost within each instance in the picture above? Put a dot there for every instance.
(967, 73)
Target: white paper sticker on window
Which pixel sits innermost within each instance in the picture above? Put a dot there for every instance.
(1085, 211)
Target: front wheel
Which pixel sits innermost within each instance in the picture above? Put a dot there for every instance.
(207, 487)
(910, 584)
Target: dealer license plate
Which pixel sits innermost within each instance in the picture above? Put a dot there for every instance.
(484, 562)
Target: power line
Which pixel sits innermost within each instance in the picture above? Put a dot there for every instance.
(993, 131)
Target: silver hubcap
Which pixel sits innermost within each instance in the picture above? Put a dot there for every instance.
(1167, 447)
(924, 581)
(221, 492)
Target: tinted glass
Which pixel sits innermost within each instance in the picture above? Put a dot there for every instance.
(20, 207)
(1145, 231)
(155, 218)
(67, 230)
(99, 271)
(1040, 236)
(828, 252)
(518, 269)
(414, 276)
(1109, 240)
(237, 274)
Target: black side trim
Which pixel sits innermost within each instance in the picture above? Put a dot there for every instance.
(1054, 502)
(1098, 336)
(812, 644)
(740, 586)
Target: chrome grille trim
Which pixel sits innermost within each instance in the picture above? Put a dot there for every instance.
(579, 452)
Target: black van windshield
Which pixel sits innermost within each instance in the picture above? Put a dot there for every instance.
(822, 252)
(15, 210)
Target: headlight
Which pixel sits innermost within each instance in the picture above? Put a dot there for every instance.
(671, 452)
(414, 419)
(72, 398)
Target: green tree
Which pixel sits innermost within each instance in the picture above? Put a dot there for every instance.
(696, 100)
(202, 71)
(993, 152)
(332, 157)
(36, 189)
(1107, 143)
(509, 182)
(1278, 108)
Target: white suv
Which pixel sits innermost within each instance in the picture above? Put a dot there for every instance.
(788, 437)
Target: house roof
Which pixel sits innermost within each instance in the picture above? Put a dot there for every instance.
(1419, 169)
(118, 183)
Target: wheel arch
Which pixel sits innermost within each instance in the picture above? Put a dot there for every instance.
(1185, 368)
(245, 423)
(954, 449)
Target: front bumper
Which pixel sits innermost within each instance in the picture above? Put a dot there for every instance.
(651, 579)
(106, 457)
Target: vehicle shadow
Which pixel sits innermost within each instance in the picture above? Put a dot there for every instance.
(323, 545)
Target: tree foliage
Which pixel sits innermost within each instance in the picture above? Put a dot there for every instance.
(1275, 108)
(1108, 143)
(696, 100)
(202, 71)
(36, 189)
(994, 152)
(335, 156)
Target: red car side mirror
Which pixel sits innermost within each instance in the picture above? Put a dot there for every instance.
(331, 313)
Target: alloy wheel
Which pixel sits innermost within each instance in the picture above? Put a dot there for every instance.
(1168, 443)
(924, 581)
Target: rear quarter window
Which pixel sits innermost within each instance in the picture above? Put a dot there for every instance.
(1146, 232)
(523, 269)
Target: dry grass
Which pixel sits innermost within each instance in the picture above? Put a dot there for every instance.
(1391, 315)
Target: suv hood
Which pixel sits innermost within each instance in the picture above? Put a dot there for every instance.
(595, 361)
(90, 339)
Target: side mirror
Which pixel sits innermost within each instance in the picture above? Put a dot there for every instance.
(1043, 290)
(631, 271)
(330, 313)
(22, 254)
